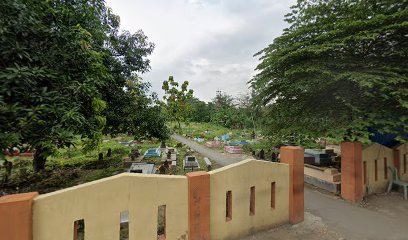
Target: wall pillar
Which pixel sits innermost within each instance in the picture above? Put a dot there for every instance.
(16, 216)
(294, 157)
(198, 205)
(351, 171)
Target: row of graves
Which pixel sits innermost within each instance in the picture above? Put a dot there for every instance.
(168, 161)
(230, 146)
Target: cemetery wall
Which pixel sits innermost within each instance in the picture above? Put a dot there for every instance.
(226, 203)
(100, 203)
(239, 178)
(403, 160)
(376, 158)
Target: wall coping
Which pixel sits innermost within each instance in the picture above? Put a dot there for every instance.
(244, 162)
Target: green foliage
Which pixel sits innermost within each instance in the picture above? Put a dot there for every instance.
(339, 68)
(177, 100)
(64, 67)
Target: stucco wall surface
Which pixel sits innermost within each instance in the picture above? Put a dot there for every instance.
(239, 178)
(403, 153)
(100, 203)
(370, 154)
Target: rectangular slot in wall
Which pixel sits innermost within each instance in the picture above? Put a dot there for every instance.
(273, 187)
(375, 170)
(252, 201)
(365, 172)
(79, 229)
(124, 225)
(385, 168)
(161, 222)
(228, 206)
(405, 163)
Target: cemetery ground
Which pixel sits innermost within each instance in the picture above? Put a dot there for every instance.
(72, 166)
(207, 132)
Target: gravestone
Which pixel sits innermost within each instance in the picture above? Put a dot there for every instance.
(100, 156)
(109, 154)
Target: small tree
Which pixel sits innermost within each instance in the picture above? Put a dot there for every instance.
(178, 100)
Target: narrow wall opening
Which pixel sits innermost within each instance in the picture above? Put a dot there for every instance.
(375, 170)
(79, 229)
(228, 206)
(124, 225)
(252, 201)
(405, 163)
(365, 172)
(161, 222)
(273, 189)
(385, 168)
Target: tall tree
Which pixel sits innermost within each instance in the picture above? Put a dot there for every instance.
(339, 68)
(178, 100)
(57, 61)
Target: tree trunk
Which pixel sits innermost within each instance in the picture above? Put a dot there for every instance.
(39, 161)
(179, 126)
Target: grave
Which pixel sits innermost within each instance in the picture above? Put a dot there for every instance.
(208, 163)
(146, 168)
(225, 137)
(241, 142)
(213, 144)
(321, 158)
(200, 140)
(125, 142)
(233, 149)
(325, 178)
(152, 152)
(190, 162)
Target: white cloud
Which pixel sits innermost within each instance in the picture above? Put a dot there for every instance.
(210, 43)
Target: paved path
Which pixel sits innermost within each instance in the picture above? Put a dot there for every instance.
(222, 159)
(352, 221)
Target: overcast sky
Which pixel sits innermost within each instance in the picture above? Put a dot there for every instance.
(209, 43)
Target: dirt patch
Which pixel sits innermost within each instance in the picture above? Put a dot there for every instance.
(312, 228)
(390, 204)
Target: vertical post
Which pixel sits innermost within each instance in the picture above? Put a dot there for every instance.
(351, 171)
(16, 221)
(198, 205)
(294, 157)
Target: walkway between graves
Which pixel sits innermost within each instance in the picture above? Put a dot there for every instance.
(222, 159)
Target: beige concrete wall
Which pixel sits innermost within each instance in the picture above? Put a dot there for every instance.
(370, 154)
(403, 150)
(239, 178)
(100, 202)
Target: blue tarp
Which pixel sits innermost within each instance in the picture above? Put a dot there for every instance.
(385, 139)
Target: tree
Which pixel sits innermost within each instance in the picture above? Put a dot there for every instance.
(177, 100)
(60, 62)
(339, 68)
(200, 111)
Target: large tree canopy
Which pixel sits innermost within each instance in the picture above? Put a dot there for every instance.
(341, 67)
(64, 67)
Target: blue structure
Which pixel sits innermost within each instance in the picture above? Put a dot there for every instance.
(225, 137)
(241, 142)
(385, 139)
(152, 152)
